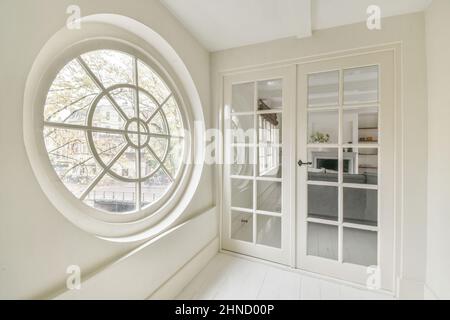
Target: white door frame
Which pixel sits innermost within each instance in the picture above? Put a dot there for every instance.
(283, 255)
(386, 164)
(395, 49)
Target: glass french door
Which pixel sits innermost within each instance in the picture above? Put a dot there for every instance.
(345, 169)
(258, 147)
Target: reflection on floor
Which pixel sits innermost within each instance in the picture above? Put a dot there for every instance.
(229, 277)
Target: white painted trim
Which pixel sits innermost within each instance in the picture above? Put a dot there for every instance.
(314, 58)
(108, 27)
(397, 48)
(173, 287)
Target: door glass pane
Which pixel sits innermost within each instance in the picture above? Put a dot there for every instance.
(360, 247)
(324, 164)
(360, 126)
(242, 193)
(270, 94)
(361, 85)
(269, 128)
(269, 196)
(322, 241)
(268, 230)
(323, 127)
(361, 206)
(243, 160)
(242, 226)
(323, 202)
(323, 89)
(269, 161)
(242, 129)
(243, 97)
(363, 167)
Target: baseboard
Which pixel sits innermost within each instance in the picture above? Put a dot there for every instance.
(173, 287)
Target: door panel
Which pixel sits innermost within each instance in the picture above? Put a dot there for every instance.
(345, 134)
(334, 215)
(258, 148)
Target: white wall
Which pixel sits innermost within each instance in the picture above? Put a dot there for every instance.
(410, 31)
(36, 242)
(159, 268)
(438, 58)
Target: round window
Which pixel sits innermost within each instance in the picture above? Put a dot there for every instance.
(113, 132)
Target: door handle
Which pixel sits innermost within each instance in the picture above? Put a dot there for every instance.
(301, 163)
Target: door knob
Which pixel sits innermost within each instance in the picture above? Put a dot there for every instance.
(301, 163)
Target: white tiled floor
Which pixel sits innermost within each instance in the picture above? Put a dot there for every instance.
(230, 277)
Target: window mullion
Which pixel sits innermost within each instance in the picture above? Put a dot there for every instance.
(160, 163)
(105, 170)
(159, 108)
(138, 116)
(100, 85)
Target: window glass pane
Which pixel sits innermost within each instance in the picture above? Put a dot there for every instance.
(124, 145)
(242, 193)
(110, 67)
(322, 241)
(106, 116)
(363, 168)
(269, 196)
(125, 98)
(270, 94)
(69, 155)
(107, 145)
(323, 89)
(324, 164)
(172, 115)
(125, 166)
(268, 230)
(361, 206)
(361, 85)
(243, 97)
(147, 106)
(152, 83)
(360, 126)
(242, 226)
(323, 127)
(70, 95)
(155, 187)
(174, 157)
(360, 247)
(113, 195)
(149, 163)
(323, 202)
(243, 160)
(159, 148)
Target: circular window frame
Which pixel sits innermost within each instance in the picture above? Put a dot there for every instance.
(131, 226)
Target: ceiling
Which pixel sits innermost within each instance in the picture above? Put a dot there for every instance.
(224, 24)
